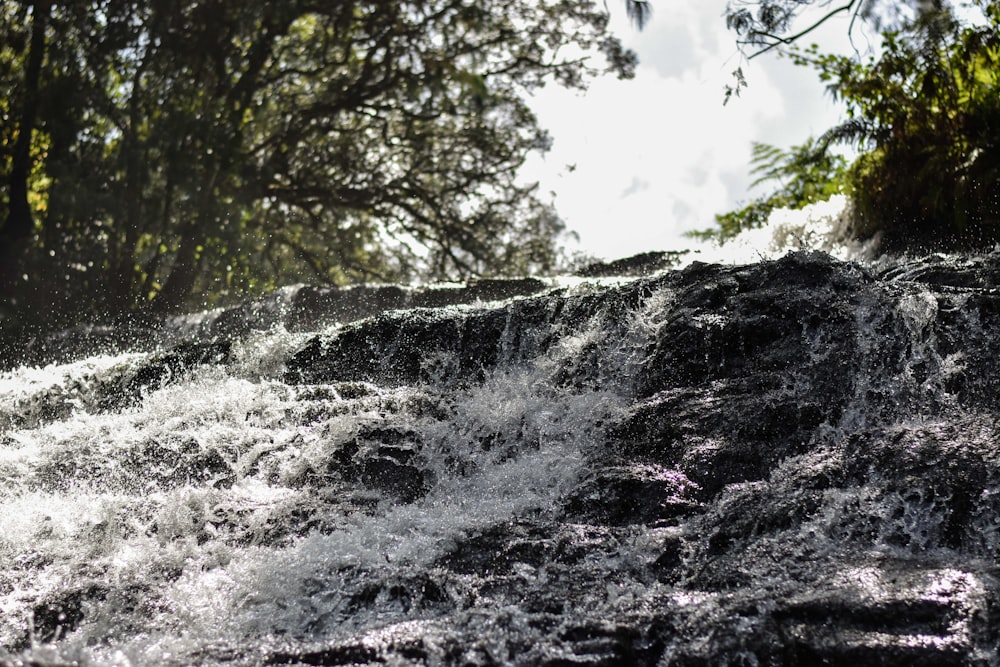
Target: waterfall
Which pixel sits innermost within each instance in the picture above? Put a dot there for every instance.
(791, 461)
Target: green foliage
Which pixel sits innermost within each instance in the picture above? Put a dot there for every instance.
(803, 175)
(184, 153)
(762, 26)
(924, 116)
(765, 25)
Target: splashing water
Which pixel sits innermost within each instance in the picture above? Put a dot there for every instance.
(788, 462)
(823, 226)
(229, 506)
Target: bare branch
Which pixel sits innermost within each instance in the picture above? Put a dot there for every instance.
(780, 41)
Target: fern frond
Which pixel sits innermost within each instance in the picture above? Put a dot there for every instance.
(855, 131)
(767, 162)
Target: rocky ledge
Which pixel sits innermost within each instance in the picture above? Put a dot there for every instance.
(808, 471)
(802, 467)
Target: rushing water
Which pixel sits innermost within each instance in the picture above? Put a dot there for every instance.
(793, 462)
(149, 517)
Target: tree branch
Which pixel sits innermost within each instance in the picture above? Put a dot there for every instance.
(779, 41)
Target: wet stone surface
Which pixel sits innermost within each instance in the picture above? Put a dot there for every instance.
(794, 462)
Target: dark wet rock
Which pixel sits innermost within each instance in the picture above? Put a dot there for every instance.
(736, 433)
(57, 618)
(307, 307)
(500, 289)
(296, 308)
(495, 551)
(633, 493)
(127, 386)
(944, 271)
(384, 458)
(143, 467)
(795, 463)
(742, 323)
(389, 469)
(808, 457)
(310, 306)
(120, 387)
(61, 614)
(397, 350)
(642, 264)
(40, 407)
(418, 346)
(342, 654)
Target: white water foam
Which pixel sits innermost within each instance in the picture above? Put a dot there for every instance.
(823, 226)
(189, 563)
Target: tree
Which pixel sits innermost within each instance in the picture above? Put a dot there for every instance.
(925, 116)
(762, 26)
(180, 152)
(765, 25)
(18, 224)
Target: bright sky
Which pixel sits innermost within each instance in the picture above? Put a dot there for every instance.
(637, 163)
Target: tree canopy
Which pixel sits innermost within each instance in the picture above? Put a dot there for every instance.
(160, 154)
(923, 113)
(765, 25)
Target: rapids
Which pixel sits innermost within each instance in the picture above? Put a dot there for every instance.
(790, 462)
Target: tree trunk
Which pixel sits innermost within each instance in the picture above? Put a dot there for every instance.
(183, 274)
(125, 287)
(19, 224)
